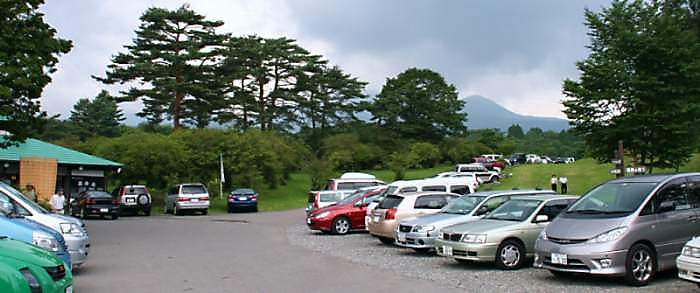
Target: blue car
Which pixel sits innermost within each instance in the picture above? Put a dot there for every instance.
(25, 230)
(242, 198)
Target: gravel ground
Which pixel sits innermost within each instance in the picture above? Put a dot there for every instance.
(363, 248)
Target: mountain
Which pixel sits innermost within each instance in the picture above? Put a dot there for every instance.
(485, 113)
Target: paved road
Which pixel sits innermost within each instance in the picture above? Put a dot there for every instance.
(219, 254)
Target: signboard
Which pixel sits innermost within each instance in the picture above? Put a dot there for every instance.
(636, 170)
(616, 161)
(615, 171)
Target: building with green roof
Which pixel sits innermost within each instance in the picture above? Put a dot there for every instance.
(49, 167)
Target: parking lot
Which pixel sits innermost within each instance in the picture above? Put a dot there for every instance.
(275, 252)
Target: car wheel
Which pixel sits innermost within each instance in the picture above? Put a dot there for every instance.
(147, 212)
(640, 265)
(176, 212)
(83, 214)
(255, 209)
(340, 226)
(205, 212)
(387, 241)
(143, 200)
(115, 216)
(510, 255)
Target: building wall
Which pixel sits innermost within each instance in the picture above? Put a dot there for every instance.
(41, 173)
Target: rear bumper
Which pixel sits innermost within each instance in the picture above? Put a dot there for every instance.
(688, 268)
(236, 204)
(383, 228)
(133, 207)
(202, 205)
(101, 209)
(78, 247)
(581, 258)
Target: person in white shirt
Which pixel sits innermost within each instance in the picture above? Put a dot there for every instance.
(563, 180)
(57, 202)
(554, 182)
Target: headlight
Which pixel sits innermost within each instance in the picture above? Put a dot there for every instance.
(691, 251)
(474, 238)
(423, 229)
(322, 215)
(611, 235)
(31, 280)
(71, 228)
(45, 241)
(542, 235)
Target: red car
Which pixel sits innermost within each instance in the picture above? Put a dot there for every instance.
(344, 216)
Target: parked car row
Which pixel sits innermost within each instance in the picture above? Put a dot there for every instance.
(632, 227)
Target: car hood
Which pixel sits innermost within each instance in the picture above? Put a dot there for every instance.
(68, 219)
(581, 228)
(439, 220)
(480, 226)
(23, 252)
(37, 227)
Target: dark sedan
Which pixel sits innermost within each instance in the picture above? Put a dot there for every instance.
(95, 203)
(242, 198)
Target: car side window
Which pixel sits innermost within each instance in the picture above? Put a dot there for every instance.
(408, 189)
(673, 193)
(430, 202)
(553, 208)
(694, 191)
(435, 188)
(459, 189)
(494, 202)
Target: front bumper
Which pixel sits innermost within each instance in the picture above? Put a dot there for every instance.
(78, 247)
(383, 228)
(188, 205)
(581, 258)
(414, 240)
(688, 268)
(468, 251)
(318, 224)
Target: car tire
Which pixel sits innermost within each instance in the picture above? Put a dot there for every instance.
(147, 212)
(176, 212)
(229, 210)
(143, 200)
(115, 216)
(510, 255)
(83, 213)
(340, 226)
(205, 212)
(387, 241)
(255, 209)
(640, 265)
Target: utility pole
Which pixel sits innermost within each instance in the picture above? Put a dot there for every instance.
(621, 158)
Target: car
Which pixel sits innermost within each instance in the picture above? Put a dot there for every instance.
(353, 181)
(506, 235)
(569, 160)
(242, 198)
(688, 263)
(517, 158)
(322, 199)
(95, 203)
(492, 157)
(27, 268)
(632, 227)
(471, 178)
(133, 199)
(486, 175)
(420, 233)
(532, 159)
(187, 197)
(344, 216)
(396, 207)
(22, 229)
(73, 230)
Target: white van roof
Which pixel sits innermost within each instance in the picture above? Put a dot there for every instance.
(357, 175)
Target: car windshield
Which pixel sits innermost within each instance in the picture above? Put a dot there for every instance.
(390, 201)
(193, 189)
(332, 196)
(463, 205)
(24, 200)
(392, 189)
(612, 199)
(515, 210)
(352, 197)
(136, 190)
(243, 192)
(98, 194)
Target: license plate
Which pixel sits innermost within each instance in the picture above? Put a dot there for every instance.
(447, 250)
(401, 237)
(69, 289)
(308, 221)
(375, 219)
(104, 210)
(130, 200)
(194, 200)
(243, 198)
(558, 258)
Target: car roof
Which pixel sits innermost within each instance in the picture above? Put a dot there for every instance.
(417, 194)
(134, 186)
(653, 178)
(512, 192)
(183, 184)
(545, 197)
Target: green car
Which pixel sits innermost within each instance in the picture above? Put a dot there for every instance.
(25, 268)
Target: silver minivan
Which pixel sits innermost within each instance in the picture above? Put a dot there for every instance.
(187, 197)
(632, 227)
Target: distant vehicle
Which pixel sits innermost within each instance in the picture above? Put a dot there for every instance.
(517, 158)
(546, 160)
(133, 199)
(486, 175)
(27, 268)
(353, 181)
(95, 203)
(242, 198)
(396, 207)
(569, 160)
(420, 233)
(470, 178)
(344, 216)
(506, 235)
(533, 159)
(688, 263)
(558, 160)
(322, 199)
(187, 197)
(492, 157)
(632, 227)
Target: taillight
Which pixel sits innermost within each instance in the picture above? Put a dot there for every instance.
(390, 214)
(230, 197)
(204, 198)
(183, 199)
(254, 197)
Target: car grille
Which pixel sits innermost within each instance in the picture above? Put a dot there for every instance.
(565, 241)
(452, 237)
(574, 264)
(57, 273)
(404, 228)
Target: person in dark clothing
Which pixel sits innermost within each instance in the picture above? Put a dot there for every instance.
(554, 182)
(564, 188)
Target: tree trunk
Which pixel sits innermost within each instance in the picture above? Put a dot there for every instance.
(245, 107)
(261, 102)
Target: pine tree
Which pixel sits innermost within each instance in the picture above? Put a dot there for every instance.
(100, 117)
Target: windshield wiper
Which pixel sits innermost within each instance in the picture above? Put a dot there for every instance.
(617, 212)
(591, 212)
(505, 219)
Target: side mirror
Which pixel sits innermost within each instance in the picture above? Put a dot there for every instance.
(7, 208)
(667, 206)
(482, 211)
(541, 218)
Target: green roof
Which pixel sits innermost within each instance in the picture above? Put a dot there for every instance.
(40, 149)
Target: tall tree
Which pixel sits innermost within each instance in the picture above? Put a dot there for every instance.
(639, 84)
(515, 131)
(100, 117)
(419, 103)
(170, 66)
(29, 51)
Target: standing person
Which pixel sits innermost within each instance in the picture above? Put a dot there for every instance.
(58, 202)
(554, 182)
(563, 180)
(30, 192)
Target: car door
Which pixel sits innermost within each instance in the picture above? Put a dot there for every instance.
(357, 213)
(675, 226)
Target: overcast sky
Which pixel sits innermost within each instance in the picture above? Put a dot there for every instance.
(514, 52)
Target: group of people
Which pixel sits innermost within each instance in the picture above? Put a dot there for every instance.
(57, 201)
(561, 180)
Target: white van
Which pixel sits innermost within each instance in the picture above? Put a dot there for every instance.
(353, 181)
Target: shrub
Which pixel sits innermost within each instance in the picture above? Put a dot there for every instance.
(426, 155)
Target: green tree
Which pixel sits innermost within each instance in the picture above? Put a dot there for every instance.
(29, 51)
(419, 104)
(639, 84)
(101, 116)
(427, 154)
(171, 67)
(515, 131)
